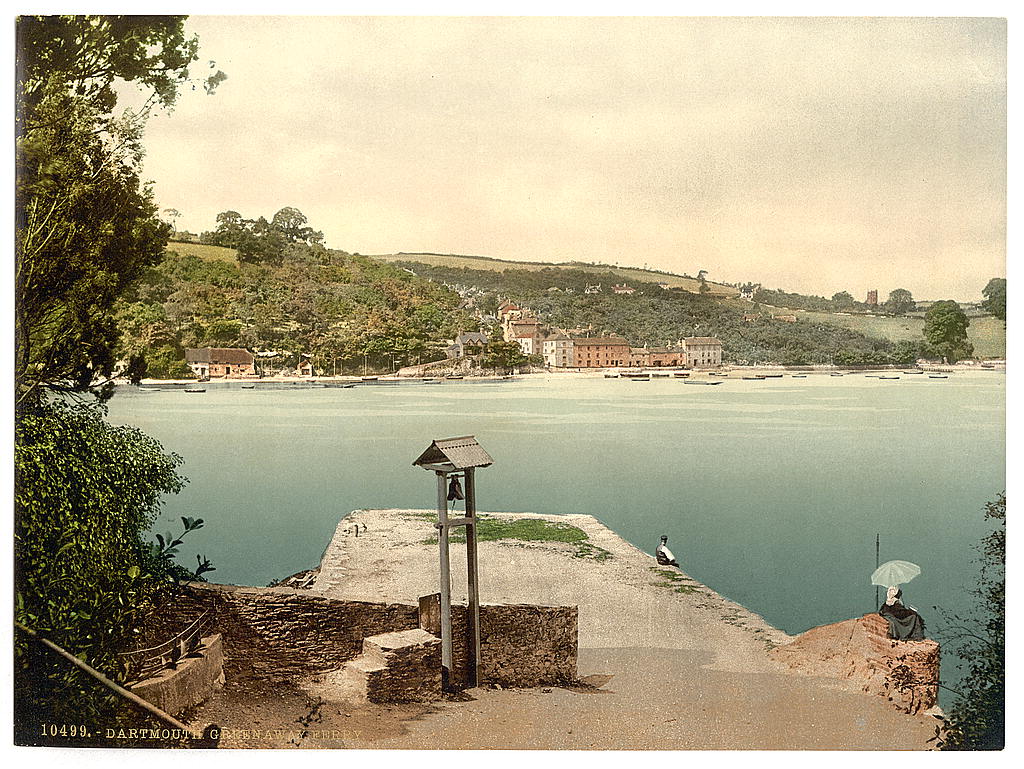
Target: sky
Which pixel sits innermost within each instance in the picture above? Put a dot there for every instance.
(813, 155)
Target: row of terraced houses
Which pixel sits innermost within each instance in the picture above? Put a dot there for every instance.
(564, 350)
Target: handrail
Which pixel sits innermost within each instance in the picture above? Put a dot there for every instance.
(203, 618)
(134, 699)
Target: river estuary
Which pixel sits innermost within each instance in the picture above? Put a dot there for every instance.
(771, 492)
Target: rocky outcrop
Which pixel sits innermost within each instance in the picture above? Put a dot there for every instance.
(860, 651)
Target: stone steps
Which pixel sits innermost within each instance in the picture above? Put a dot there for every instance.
(394, 667)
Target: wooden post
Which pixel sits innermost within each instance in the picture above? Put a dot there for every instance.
(446, 579)
(876, 566)
(473, 616)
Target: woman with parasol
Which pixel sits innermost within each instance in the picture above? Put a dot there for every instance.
(905, 624)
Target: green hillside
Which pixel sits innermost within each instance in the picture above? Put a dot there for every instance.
(341, 309)
(986, 333)
(655, 316)
(501, 265)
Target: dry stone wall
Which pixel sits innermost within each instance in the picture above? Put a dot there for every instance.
(280, 634)
(283, 634)
(520, 644)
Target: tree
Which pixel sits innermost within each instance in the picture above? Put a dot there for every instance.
(900, 302)
(174, 215)
(844, 299)
(85, 55)
(945, 331)
(292, 224)
(85, 227)
(977, 719)
(995, 297)
(503, 355)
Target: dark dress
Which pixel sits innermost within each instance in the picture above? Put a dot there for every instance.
(905, 624)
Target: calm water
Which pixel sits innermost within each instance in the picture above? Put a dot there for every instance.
(770, 492)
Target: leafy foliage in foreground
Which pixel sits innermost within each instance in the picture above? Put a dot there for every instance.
(977, 719)
(85, 495)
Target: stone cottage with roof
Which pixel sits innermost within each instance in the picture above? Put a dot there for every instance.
(467, 343)
(209, 362)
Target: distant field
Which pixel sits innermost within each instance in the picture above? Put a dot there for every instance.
(206, 253)
(500, 265)
(986, 333)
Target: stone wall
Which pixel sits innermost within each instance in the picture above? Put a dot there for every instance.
(283, 634)
(859, 650)
(520, 644)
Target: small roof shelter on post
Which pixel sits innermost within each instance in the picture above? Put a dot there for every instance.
(452, 459)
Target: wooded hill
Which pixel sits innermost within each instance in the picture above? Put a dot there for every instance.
(341, 309)
(614, 273)
(347, 311)
(655, 316)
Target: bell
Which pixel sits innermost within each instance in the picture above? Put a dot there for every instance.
(455, 489)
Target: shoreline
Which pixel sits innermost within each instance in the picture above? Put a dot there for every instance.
(587, 373)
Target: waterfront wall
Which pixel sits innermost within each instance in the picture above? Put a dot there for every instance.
(282, 634)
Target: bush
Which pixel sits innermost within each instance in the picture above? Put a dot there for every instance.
(977, 719)
(86, 493)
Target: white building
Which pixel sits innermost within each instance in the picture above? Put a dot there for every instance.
(557, 351)
(702, 351)
(529, 344)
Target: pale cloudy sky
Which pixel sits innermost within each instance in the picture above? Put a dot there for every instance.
(815, 155)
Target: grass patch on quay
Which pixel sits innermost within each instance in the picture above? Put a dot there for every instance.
(677, 582)
(528, 530)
